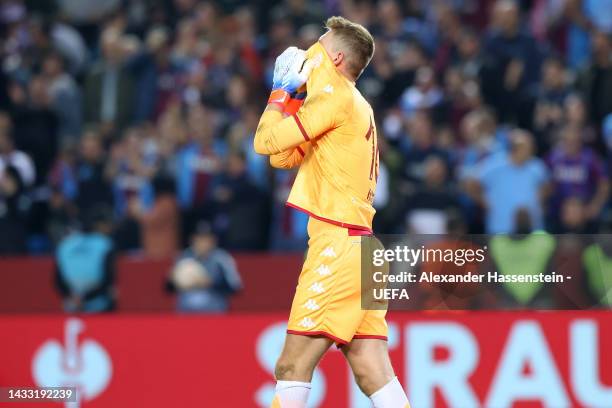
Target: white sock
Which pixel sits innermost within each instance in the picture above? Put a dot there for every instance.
(391, 395)
(292, 394)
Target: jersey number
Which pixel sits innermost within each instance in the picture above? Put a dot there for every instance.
(374, 161)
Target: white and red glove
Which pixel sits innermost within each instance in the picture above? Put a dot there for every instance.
(291, 71)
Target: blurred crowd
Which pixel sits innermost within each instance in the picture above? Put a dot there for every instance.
(498, 112)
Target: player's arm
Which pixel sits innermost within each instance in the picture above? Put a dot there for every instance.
(320, 113)
(290, 158)
(275, 132)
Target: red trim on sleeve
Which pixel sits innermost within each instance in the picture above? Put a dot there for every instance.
(299, 124)
(293, 106)
(299, 149)
(338, 223)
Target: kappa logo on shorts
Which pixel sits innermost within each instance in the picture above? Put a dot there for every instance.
(308, 323)
(323, 270)
(317, 287)
(329, 252)
(328, 89)
(311, 304)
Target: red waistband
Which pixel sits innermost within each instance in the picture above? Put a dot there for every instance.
(354, 230)
(357, 232)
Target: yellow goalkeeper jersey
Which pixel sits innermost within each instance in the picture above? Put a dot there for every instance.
(333, 139)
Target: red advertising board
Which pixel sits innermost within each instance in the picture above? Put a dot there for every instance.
(481, 359)
(26, 284)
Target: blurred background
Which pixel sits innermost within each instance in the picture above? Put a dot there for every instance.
(129, 191)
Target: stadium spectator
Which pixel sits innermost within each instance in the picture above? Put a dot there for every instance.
(448, 29)
(65, 97)
(498, 178)
(418, 145)
(109, 87)
(13, 214)
(36, 133)
(469, 59)
(10, 156)
(130, 168)
(85, 265)
(159, 225)
(199, 161)
(396, 72)
(595, 80)
(424, 94)
(576, 171)
(204, 276)
(514, 56)
(240, 137)
(60, 217)
(156, 74)
(576, 115)
(35, 126)
(288, 230)
(170, 135)
(481, 138)
(393, 31)
(130, 173)
(92, 186)
(239, 202)
(427, 207)
(461, 96)
(549, 98)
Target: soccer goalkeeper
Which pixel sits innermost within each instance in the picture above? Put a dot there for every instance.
(332, 137)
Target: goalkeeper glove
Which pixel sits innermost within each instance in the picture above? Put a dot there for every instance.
(291, 71)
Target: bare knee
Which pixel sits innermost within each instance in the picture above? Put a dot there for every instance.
(370, 380)
(299, 358)
(363, 379)
(284, 370)
(293, 370)
(370, 363)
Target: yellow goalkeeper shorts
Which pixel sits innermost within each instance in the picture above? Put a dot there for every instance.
(327, 299)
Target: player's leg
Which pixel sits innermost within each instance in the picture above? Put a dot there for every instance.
(325, 309)
(371, 366)
(295, 367)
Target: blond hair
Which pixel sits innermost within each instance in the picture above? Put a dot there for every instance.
(356, 40)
